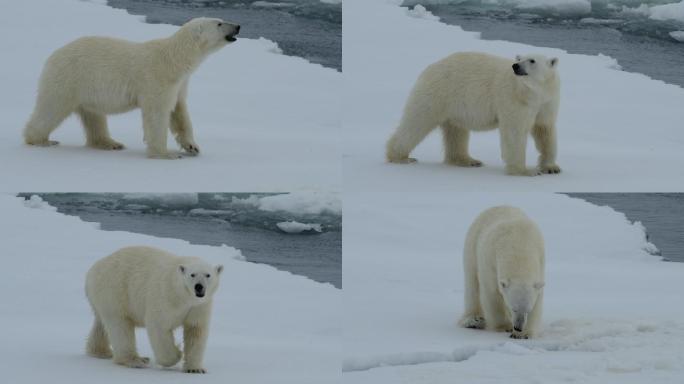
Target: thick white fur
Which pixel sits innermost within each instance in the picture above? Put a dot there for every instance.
(98, 76)
(476, 92)
(147, 287)
(503, 262)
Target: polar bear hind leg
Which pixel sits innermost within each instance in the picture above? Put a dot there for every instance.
(97, 133)
(49, 113)
(456, 146)
(98, 343)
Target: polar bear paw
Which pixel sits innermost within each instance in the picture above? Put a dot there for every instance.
(191, 149)
(519, 335)
(473, 322)
(42, 143)
(404, 160)
(551, 169)
(522, 171)
(465, 162)
(194, 370)
(135, 362)
(108, 145)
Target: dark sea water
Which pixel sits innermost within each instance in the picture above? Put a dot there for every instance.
(306, 28)
(216, 219)
(661, 213)
(617, 28)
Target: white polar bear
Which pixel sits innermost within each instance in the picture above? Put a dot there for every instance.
(147, 287)
(476, 92)
(98, 76)
(503, 263)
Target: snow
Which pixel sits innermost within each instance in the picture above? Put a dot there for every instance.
(561, 7)
(268, 326)
(673, 11)
(302, 202)
(611, 308)
(618, 131)
(296, 227)
(264, 121)
(420, 12)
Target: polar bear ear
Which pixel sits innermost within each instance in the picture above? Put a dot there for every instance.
(553, 62)
(539, 285)
(181, 269)
(219, 269)
(518, 57)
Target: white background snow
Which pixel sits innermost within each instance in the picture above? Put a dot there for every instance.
(263, 121)
(268, 326)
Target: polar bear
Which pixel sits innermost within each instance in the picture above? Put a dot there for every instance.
(477, 92)
(99, 76)
(503, 263)
(147, 287)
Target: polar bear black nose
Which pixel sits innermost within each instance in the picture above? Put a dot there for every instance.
(516, 66)
(199, 288)
(237, 28)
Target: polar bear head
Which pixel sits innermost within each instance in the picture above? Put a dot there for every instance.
(199, 279)
(535, 67)
(520, 296)
(210, 34)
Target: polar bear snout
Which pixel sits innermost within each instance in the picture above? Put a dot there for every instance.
(518, 70)
(199, 290)
(232, 31)
(519, 321)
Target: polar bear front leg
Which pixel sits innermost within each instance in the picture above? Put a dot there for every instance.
(166, 353)
(494, 311)
(195, 333)
(513, 146)
(545, 140)
(156, 119)
(121, 334)
(181, 127)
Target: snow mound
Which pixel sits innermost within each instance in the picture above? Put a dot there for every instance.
(674, 11)
(677, 35)
(560, 7)
(36, 202)
(420, 12)
(296, 227)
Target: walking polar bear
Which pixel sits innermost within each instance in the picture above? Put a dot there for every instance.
(98, 76)
(147, 287)
(477, 92)
(503, 263)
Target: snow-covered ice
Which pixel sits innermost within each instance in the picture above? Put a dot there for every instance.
(297, 227)
(268, 326)
(618, 131)
(612, 310)
(302, 202)
(265, 122)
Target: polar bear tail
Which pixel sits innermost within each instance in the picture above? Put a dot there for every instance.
(98, 343)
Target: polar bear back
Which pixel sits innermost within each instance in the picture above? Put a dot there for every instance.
(100, 73)
(465, 88)
(504, 243)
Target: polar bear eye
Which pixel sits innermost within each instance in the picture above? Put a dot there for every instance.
(192, 275)
(220, 24)
(208, 275)
(532, 61)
